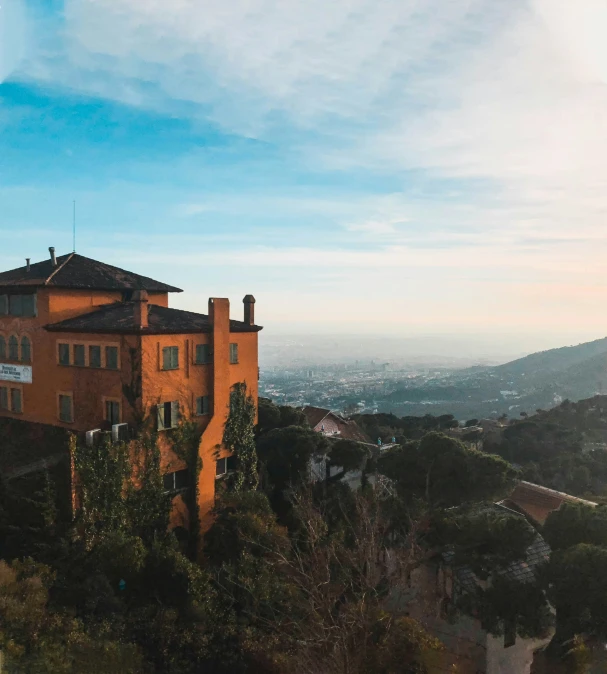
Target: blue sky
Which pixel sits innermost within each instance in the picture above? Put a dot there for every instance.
(401, 166)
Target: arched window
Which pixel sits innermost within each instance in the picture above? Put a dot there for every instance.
(2, 347)
(26, 350)
(13, 348)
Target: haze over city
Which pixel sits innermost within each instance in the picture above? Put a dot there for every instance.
(398, 168)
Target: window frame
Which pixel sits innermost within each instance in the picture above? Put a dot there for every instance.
(3, 346)
(228, 463)
(28, 339)
(173, 408)
(184, 475)
(70, 395)
(203, 411)
(90, 359)
(200, 348)
(234, 360)
(12, 343)
(111, 401)
(117, 350)
(170, 351)
(84, 355)
(5, 404)
(69, 354)
(19, 391)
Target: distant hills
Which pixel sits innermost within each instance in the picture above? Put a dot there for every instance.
(540, 380)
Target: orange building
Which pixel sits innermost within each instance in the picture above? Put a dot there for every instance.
(88, 346)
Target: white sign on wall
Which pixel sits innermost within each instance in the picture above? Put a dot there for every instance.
(18, 373)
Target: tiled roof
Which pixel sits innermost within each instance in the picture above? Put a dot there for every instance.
(315, 415)
(523, 571)
(120, 318)
(80, 272)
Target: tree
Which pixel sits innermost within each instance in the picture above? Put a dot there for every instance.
(444, 472)
(272, 416)
(239, 437)
(286, 454)
(35, 638)
(575, 523)
(578, 590)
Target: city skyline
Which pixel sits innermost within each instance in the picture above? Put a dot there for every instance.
(394, 168)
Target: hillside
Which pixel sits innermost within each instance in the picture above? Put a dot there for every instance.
(540, 380)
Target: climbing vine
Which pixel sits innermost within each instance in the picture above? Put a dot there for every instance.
(186, 442)
(239, 437)
(119, 488)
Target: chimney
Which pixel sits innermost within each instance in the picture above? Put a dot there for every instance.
(140, 299)
(249, 309)
(51, 250)
(27, 261)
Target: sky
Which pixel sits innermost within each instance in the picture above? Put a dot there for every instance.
(397, 167)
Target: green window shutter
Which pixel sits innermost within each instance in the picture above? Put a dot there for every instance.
(203, 354)
(3, 398)
(65, 408)
(175, 357)
(13, 348)
(233, 354)
(64, 354)
(94, 356)
(29, 305)
(16, 404)
(160, 416)
(79, 355)
(26, 350)
(16, 305)
(111, 357)
(174, 413)
(2, 347)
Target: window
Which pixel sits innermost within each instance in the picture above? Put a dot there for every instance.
(29, 305)
(3, 398)
(233, 353)
(3, 305)
(168, 415)
(203, 354)
(2, 347)
(64, 354)
(94, 356)
(203, 405)
(79, 355)
(66, 408)
(176, 481)
(13, 348)
(112, 411)
(111, 357)
(170, 358)
(16, 305)
(16, 402)
(225, 465)
(26, 350)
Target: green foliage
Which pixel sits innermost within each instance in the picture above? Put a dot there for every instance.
(444, 472)
(35, 638)
(575, 523)
(578, 589)
(186, 443)
(348, 454)
(286, 453)
(120, 489)
(239, 437)
(272, 416)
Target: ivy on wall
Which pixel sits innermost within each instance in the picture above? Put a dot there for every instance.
(239, 437)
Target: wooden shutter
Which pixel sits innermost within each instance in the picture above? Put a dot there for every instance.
(174, 413)
(160, 416)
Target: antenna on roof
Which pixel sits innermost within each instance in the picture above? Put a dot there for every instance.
(74, 227)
